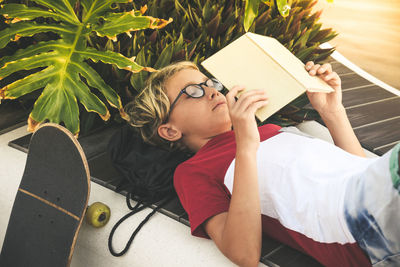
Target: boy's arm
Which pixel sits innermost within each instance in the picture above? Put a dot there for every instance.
(332, 111)
(342, 133)
(237, 233)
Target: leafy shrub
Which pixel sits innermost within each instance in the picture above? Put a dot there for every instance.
(201, 28)
(60, 65)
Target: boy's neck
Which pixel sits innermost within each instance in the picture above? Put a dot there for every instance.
(197, 142)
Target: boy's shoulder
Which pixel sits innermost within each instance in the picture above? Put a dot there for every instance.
(268, 130)
(221, 150)
(214, 158)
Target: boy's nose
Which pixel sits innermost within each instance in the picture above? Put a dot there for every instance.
(212, 92)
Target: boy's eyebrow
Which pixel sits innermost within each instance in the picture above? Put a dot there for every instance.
(192, 82)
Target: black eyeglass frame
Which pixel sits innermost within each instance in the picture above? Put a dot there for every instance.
(183, 91)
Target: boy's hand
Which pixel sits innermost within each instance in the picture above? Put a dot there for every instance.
(242, 116)
(332, 111)
(325, 103)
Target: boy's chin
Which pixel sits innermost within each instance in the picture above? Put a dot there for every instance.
(225, 127)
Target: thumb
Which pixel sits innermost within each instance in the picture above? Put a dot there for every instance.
(310, 94)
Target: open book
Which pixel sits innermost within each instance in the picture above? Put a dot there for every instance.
(260, 62)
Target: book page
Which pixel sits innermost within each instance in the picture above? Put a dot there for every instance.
(289, 62)
(244, 63)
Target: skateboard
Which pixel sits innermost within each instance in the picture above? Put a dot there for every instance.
(51, 202)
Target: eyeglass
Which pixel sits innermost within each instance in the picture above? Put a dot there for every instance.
(197, 90)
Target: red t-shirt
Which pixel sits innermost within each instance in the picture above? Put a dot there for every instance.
(199, 183)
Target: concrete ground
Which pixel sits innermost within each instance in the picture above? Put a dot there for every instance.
(161, 242)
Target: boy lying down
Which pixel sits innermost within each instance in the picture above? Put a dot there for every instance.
(326, 200)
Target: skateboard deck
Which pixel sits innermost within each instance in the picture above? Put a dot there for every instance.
(50, 203)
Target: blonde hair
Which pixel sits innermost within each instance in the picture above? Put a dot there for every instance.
(151, 106)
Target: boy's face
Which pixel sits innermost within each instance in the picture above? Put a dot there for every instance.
(202, 117)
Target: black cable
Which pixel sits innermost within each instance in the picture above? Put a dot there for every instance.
(134, 209)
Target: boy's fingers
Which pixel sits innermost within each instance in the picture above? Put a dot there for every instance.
(314, 69)
(309, 64)
(249, 100)
(230, 96)
(335, 80)
(235, 90)
(250, 93)
(326, 68)
(245, 99)
(330, 76)
(256, 105)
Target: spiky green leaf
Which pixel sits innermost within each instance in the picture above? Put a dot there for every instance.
(94, 9)
(28, 84)
(116, 23)
(251, 12)
(22, 12)
(35, 49)
(110, 57)
(138, 79)
(283, 7)
(29, 28)
(61, 97)
(165, 57)
(62, 7)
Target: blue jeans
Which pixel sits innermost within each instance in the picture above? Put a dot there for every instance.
(372, 209)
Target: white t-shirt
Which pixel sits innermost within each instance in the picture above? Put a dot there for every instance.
(302, 182)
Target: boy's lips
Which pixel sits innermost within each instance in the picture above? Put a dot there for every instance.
(219, 103)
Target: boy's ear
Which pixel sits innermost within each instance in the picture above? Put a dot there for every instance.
(169, 132)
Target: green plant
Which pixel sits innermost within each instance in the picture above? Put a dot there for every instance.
(201, 28)
(60, 65)
(251, 10)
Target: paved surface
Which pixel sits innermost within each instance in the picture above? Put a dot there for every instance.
(161, 242)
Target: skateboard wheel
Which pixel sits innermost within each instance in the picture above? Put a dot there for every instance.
(98, 214)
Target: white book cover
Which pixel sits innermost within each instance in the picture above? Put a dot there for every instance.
(260, 62)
